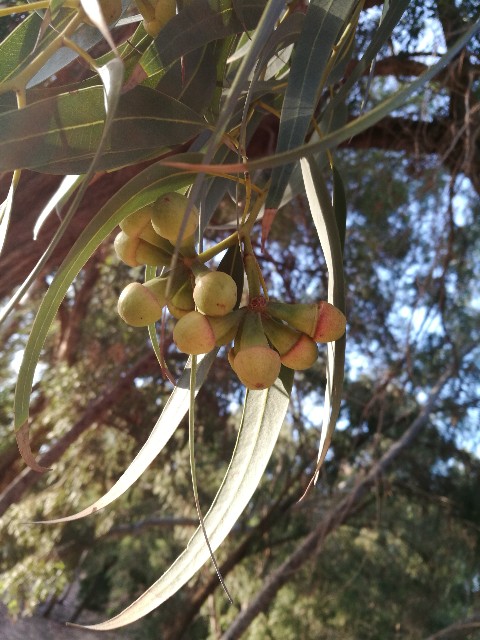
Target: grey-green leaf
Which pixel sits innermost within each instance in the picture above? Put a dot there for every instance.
(263, 416)
(61, 134)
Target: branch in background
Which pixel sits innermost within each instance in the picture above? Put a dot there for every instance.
(334, 519)
(458, 629)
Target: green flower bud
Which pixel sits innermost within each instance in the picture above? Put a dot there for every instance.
(297, 350)
(168, 214)
(139, 225)
(257, 367)
(255, 363)
(156, 14)
(215, 293)
(140, 305)
(134, 252)
(320, 320)
(193, 334)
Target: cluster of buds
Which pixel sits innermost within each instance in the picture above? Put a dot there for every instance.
(265, 334)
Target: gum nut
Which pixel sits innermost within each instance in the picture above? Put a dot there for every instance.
(193, 334)
(257, 367)
(331, 323)
(302, 355)
(215, 293)
(137, 305)
(168, 214)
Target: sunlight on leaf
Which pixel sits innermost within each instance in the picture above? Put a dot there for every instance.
(263, 416)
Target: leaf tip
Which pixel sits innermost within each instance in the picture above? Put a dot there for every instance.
(23, 442)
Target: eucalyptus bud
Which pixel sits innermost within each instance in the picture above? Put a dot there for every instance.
(135, 252)
(255, 363)
(215, 293)
(194, 334)
(297, 350)
(320, 320)
(139, 225)
(168, 214)
(141, 304)
(180, 298)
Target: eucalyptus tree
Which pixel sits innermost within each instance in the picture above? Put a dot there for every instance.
(310, 138)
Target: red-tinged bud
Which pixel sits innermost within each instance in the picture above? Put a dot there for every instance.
(215, 293)
(193, 334)
(135, 252)
(256, 364)
(168, 214)
(297, 350)
(257, 367)
(140, 305)
(320, 320)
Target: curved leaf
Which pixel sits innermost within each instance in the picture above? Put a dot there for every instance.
(171, 416)
(61, 134)
(143, 189)
(327, 226)
(263, 416)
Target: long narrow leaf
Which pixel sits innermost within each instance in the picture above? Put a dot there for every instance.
(143, 189)
(324, 21)
(166, 425)
(263, 416)
(61, 134)
(327, 228)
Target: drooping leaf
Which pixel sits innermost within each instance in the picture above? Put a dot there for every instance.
(61, 134)
(174, 411)
(263, 416)
(324, 22)
(65, 189)
(143, 189)
(327, 228)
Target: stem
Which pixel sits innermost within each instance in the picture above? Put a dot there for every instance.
(80, 52)
(208, 254)
(24, 8)
(251, 269)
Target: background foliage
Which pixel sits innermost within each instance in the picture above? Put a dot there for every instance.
(382, 546)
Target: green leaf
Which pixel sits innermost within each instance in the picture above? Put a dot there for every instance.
(112, 76)
(324, 22)
(65, 189)
(17, 45)
(143, 189)
(326, 225)
(369, 118)
(171, 416)
(263, 416)
(61, 134)
(199, 22)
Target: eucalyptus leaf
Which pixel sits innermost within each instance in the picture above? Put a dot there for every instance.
(328, 233)
(174, 411)
(61, 134)
(324, 22)
(262, 419)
